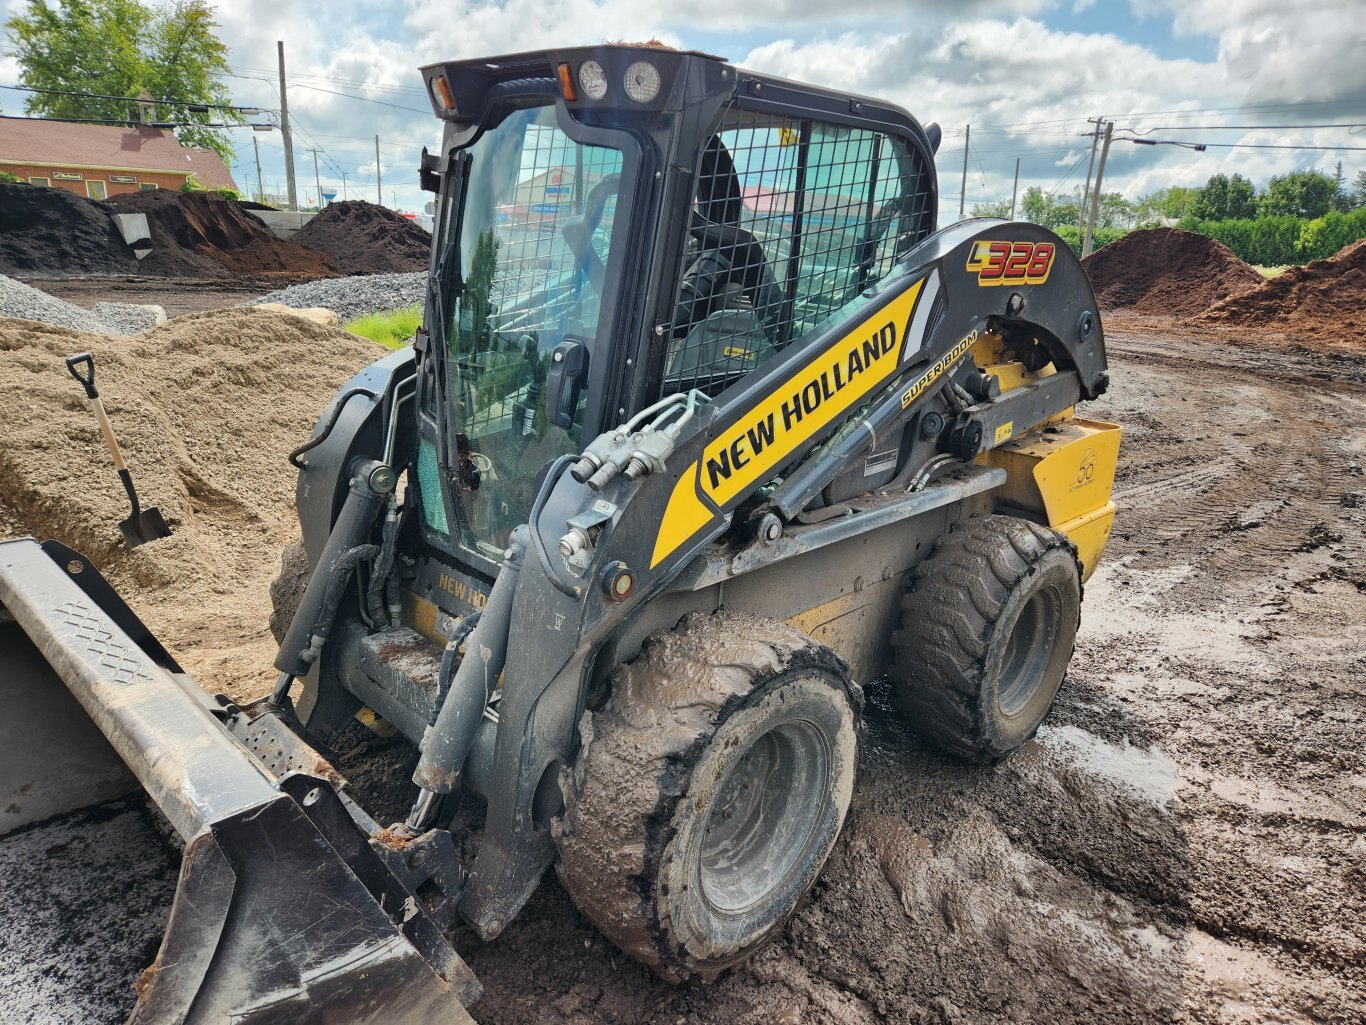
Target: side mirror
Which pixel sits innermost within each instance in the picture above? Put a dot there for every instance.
(428, 172)
(564, 381)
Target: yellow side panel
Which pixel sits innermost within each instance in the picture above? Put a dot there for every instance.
(1077, 476)
(1090, 533)
(1066, 472)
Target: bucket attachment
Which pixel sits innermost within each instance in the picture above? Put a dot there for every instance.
(286, 911)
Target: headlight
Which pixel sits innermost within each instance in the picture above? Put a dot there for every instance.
(642, 81)
(592, 80)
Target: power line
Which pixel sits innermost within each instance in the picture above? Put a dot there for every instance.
(333, 92)
(125, 123)
(1184, 144)
(1226, 128)
(197, 106)
(353, 82)
(1072, 170)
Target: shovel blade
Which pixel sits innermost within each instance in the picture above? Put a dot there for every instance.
(149, 525)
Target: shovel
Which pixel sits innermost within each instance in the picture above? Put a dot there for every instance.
(143, 524)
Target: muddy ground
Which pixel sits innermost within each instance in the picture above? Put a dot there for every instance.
(1185, 841)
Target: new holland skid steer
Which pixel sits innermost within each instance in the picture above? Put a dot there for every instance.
(707, 426)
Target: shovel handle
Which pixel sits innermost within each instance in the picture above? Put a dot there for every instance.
(87, 380)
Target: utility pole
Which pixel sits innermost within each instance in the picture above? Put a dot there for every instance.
(260, 192)
(379, 187)
(284, 130)
(1090, 166)
(1095, 192)
(317, 182)
(1015, 189)
(344, 194)
(963, 192)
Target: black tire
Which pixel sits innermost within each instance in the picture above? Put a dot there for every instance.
(287, 589)
(989, 622)
(709, 791)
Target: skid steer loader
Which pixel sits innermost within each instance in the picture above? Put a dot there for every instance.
(706, 426)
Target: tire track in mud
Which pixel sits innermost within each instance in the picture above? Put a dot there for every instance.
(1273, 468)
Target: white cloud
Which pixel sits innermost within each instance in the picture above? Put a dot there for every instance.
(1277, 50)
(991, 63)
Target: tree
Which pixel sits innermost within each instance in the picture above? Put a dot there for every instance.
(1360, 190)
(1000, 209)
(1115, 211)
(1343, 200)
(1307, 194)
(121, 48)
(1044, 209)
(1226, 198)
(1170, 204)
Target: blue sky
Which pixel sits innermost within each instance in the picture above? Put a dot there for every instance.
(1025, 73)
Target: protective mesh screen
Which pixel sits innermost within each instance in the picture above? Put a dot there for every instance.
(792, 220)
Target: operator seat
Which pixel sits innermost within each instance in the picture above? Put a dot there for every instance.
(727, 255)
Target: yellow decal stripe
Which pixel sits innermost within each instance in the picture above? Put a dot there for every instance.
(809, 400)
(684, 517)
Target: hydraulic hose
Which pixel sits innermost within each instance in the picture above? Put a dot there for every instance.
(370, 482)
(384, 565)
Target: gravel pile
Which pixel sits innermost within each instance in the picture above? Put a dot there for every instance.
(354, 296)
(21, 301)
(129, 318)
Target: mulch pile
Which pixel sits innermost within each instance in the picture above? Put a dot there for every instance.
(204, 235)
(52, 231)
(1167, 272)
(1322, 299)
(362, 238)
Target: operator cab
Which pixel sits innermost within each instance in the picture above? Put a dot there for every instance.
(619, 223)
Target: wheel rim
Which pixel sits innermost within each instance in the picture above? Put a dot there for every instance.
(768, 809)
(1029, 650)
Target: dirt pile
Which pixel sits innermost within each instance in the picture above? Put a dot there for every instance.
(206, 409)
(51, 231)
(362, 238)
(1166, 272)
(204, 235)
(1322, 299)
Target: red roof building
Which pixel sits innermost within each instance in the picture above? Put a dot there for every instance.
(104, 160)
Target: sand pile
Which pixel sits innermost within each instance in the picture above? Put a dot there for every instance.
(206, 409)
(362, 238)
(51, 231)
(1166, 272)
(204, 235)
(1322, 299)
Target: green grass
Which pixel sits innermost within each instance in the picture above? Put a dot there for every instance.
(393, 329)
